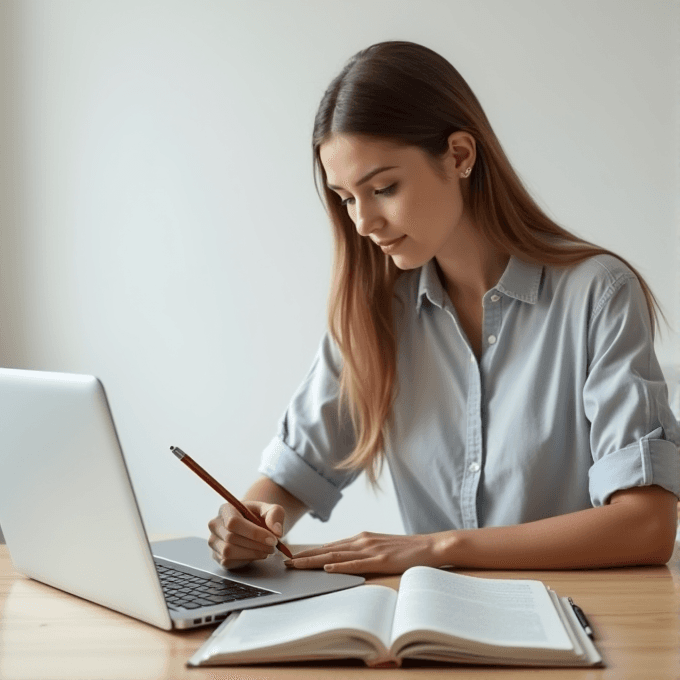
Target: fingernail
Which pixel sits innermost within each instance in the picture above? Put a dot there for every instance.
(270, 540)
(277, 528)
(288, 563)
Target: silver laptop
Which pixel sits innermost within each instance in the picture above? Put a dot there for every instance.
(71, 519)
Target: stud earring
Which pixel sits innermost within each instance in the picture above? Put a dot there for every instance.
(466, 173)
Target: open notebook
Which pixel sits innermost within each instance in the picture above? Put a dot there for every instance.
(436, 615)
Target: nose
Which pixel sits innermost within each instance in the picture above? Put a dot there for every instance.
(366, 218)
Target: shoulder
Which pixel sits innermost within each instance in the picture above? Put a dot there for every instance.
(599, 270)
(594, 280)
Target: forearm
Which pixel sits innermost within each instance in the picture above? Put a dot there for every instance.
(607, 536)
(267, 491)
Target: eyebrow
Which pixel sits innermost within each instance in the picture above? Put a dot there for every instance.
(366, 177)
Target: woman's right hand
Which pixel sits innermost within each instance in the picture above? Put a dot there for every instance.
(235, 541)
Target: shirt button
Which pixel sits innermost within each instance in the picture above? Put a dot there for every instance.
(491, 339)
(474, 467)
(495, 298)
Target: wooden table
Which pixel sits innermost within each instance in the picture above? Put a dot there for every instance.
(47, 634)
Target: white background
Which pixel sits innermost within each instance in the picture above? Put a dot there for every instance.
(159, 227)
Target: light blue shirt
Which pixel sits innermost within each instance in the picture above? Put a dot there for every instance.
(567, 405)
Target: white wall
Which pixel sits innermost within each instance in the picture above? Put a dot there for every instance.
(160, 228)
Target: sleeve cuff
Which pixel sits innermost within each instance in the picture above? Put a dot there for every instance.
(287, 469)
(650, 461)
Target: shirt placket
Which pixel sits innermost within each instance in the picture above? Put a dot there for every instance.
(474, 450)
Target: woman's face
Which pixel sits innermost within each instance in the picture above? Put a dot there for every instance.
(394, 195)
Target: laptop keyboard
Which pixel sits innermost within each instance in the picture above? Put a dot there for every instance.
(186, 591)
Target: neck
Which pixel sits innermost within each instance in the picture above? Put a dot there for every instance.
(472, 265)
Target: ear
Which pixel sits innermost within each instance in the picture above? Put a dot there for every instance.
(462, 152)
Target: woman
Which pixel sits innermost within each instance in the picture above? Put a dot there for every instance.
(504, 367)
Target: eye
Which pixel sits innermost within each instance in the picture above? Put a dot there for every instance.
(387, 191)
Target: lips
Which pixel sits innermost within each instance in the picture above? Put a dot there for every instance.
(392, 246)
(384, 244)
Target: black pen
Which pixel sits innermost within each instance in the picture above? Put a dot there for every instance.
(581, 618)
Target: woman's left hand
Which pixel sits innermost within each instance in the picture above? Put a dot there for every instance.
(374, 553)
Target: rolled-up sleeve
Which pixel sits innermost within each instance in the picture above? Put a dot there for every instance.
(313, 437)
(634, 435)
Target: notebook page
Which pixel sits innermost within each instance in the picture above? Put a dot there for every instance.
(503, 612)
(365, 608)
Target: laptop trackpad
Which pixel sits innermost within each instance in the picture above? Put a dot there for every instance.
(271, 574)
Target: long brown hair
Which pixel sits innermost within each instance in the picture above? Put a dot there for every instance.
(406, 93)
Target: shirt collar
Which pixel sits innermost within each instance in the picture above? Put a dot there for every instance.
(429, 286)
(520, 280)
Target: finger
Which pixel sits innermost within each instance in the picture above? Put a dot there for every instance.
(238, 525)
(227, 552)
(218, 558)
(320, 561)
(274, 517)
(249, 544)
(311, 552)
(230, 539)
(237, 561)
(362, 566)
